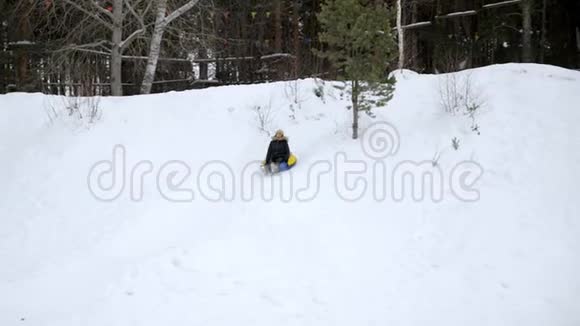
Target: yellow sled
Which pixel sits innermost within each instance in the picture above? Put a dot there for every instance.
(282, 167)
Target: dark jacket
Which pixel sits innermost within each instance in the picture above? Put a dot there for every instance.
(278, 151)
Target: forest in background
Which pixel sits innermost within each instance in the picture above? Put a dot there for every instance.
(126, 47)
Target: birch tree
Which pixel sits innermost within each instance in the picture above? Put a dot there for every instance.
(162, 20)
(401, 35)
(114, 20)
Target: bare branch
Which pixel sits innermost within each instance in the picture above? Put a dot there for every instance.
(183, 9)
(136, 33)
(131, 38)
(97, 44)
(149, 5)
(137, 2)
(101, 9)
(90, 14)
(134, 13)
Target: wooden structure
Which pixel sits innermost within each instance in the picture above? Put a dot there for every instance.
(440, 38)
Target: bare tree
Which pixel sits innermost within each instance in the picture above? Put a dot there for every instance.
(162, 20)
(114, 20)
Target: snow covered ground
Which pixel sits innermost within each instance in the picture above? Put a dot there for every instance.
(322, 256)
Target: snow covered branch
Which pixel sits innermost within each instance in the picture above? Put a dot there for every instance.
(501, 4)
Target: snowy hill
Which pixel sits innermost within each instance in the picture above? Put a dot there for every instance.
(502, 249)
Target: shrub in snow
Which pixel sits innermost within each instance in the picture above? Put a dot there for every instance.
(435, 159)
(264, 117)
(455, 143)
(459, 94)
(319, 91)
(292, 91)
(86, 110)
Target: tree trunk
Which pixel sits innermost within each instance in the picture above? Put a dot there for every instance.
(401, 34)
(203, 68)
(277, 26)
(355, 95)
(24, 81)
(116, 68)
(578, 44)
(296, 37)
(527, 50)
(544, 32)
(155, 48)
(161, 23)
(68, 78)
(22, 77)
(278, 36)
(246, 48)
(116, 53)
(411, 41)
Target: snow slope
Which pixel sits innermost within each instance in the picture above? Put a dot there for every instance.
(510, 258)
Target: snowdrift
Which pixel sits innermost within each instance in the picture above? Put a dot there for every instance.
(201, 249)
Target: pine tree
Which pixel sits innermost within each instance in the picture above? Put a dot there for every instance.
(359, 44)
